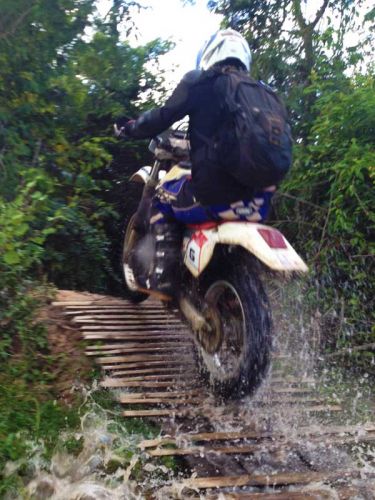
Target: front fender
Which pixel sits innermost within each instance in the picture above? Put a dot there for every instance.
(265, 243)
(142, 175)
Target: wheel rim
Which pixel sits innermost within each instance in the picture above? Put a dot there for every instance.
(226, 362)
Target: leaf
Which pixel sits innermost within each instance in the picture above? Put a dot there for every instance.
(12, 257)
(21, 229)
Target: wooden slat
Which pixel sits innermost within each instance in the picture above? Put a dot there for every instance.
(336, 429)
(107, 302)
(126, 316)
(252, 448)
(292, 380)
(290, 400)
(122, 310)
(149, 306)
(112, 383)
(153, 371)
(119, 309)
(289, 390)
(321, 408)
(152, 323)
(193, 413)
(309, 494)
(163, 401)
(154, 413)
(139, 348)
(202, 451)
(152, 375)
(129, 345)
(96, 303)
(294, 410)
(253, 434)
(342, 440)
(139, 332)
(202, 436)
(160, 394)
(142, 364)
(267, 480)
(139, 337)
(134, 328)
(139, 378)
(139, 358)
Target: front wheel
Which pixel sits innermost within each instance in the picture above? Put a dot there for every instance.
(234, 355)
(130, 285)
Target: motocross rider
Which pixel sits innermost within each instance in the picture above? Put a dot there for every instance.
(206, 193)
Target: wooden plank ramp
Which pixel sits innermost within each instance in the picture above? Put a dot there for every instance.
(147, 357)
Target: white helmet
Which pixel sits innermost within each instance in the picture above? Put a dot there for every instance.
(222, 45)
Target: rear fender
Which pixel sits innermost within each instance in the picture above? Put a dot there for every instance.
(265, 243)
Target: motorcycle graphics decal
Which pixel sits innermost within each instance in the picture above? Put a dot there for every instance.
(194, 248)
(200, 238)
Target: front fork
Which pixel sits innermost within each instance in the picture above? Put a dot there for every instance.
(206, 325)
(142, 215)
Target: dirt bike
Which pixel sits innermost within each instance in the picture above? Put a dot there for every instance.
(222, 296)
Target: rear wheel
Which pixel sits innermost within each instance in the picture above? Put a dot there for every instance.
(234, 356)
(130, 285)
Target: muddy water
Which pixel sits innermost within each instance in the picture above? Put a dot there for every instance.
(87, 476)
(108, 464)
(296, 365)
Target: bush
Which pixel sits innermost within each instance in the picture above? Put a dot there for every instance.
(333, 175)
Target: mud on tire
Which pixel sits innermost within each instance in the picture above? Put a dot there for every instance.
(130, 294)
(232, 284)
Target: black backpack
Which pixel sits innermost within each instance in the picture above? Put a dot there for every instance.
(253, 140)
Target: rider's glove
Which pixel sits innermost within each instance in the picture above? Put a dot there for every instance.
(123, 127)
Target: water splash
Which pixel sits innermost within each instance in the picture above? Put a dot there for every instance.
(99, 461)
(107, 463)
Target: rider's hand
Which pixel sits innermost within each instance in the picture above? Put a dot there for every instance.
(123, 127)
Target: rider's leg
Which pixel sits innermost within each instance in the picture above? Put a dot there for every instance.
(165, 271)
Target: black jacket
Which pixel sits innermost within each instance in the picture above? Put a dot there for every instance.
(194, 96)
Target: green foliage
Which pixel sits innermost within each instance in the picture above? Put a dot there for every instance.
(327, 210)
(62, 92)
(335, 174)
(65, 75)
(292, 40)
(28, 415)
(25, 224)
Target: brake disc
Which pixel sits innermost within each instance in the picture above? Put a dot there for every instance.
(212, 338)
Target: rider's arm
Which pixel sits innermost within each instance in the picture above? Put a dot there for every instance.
(155, 121)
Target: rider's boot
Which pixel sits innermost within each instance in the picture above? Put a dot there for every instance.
(166, 268)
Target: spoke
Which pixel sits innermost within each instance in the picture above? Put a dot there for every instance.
(217, 360)
(224, 364)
